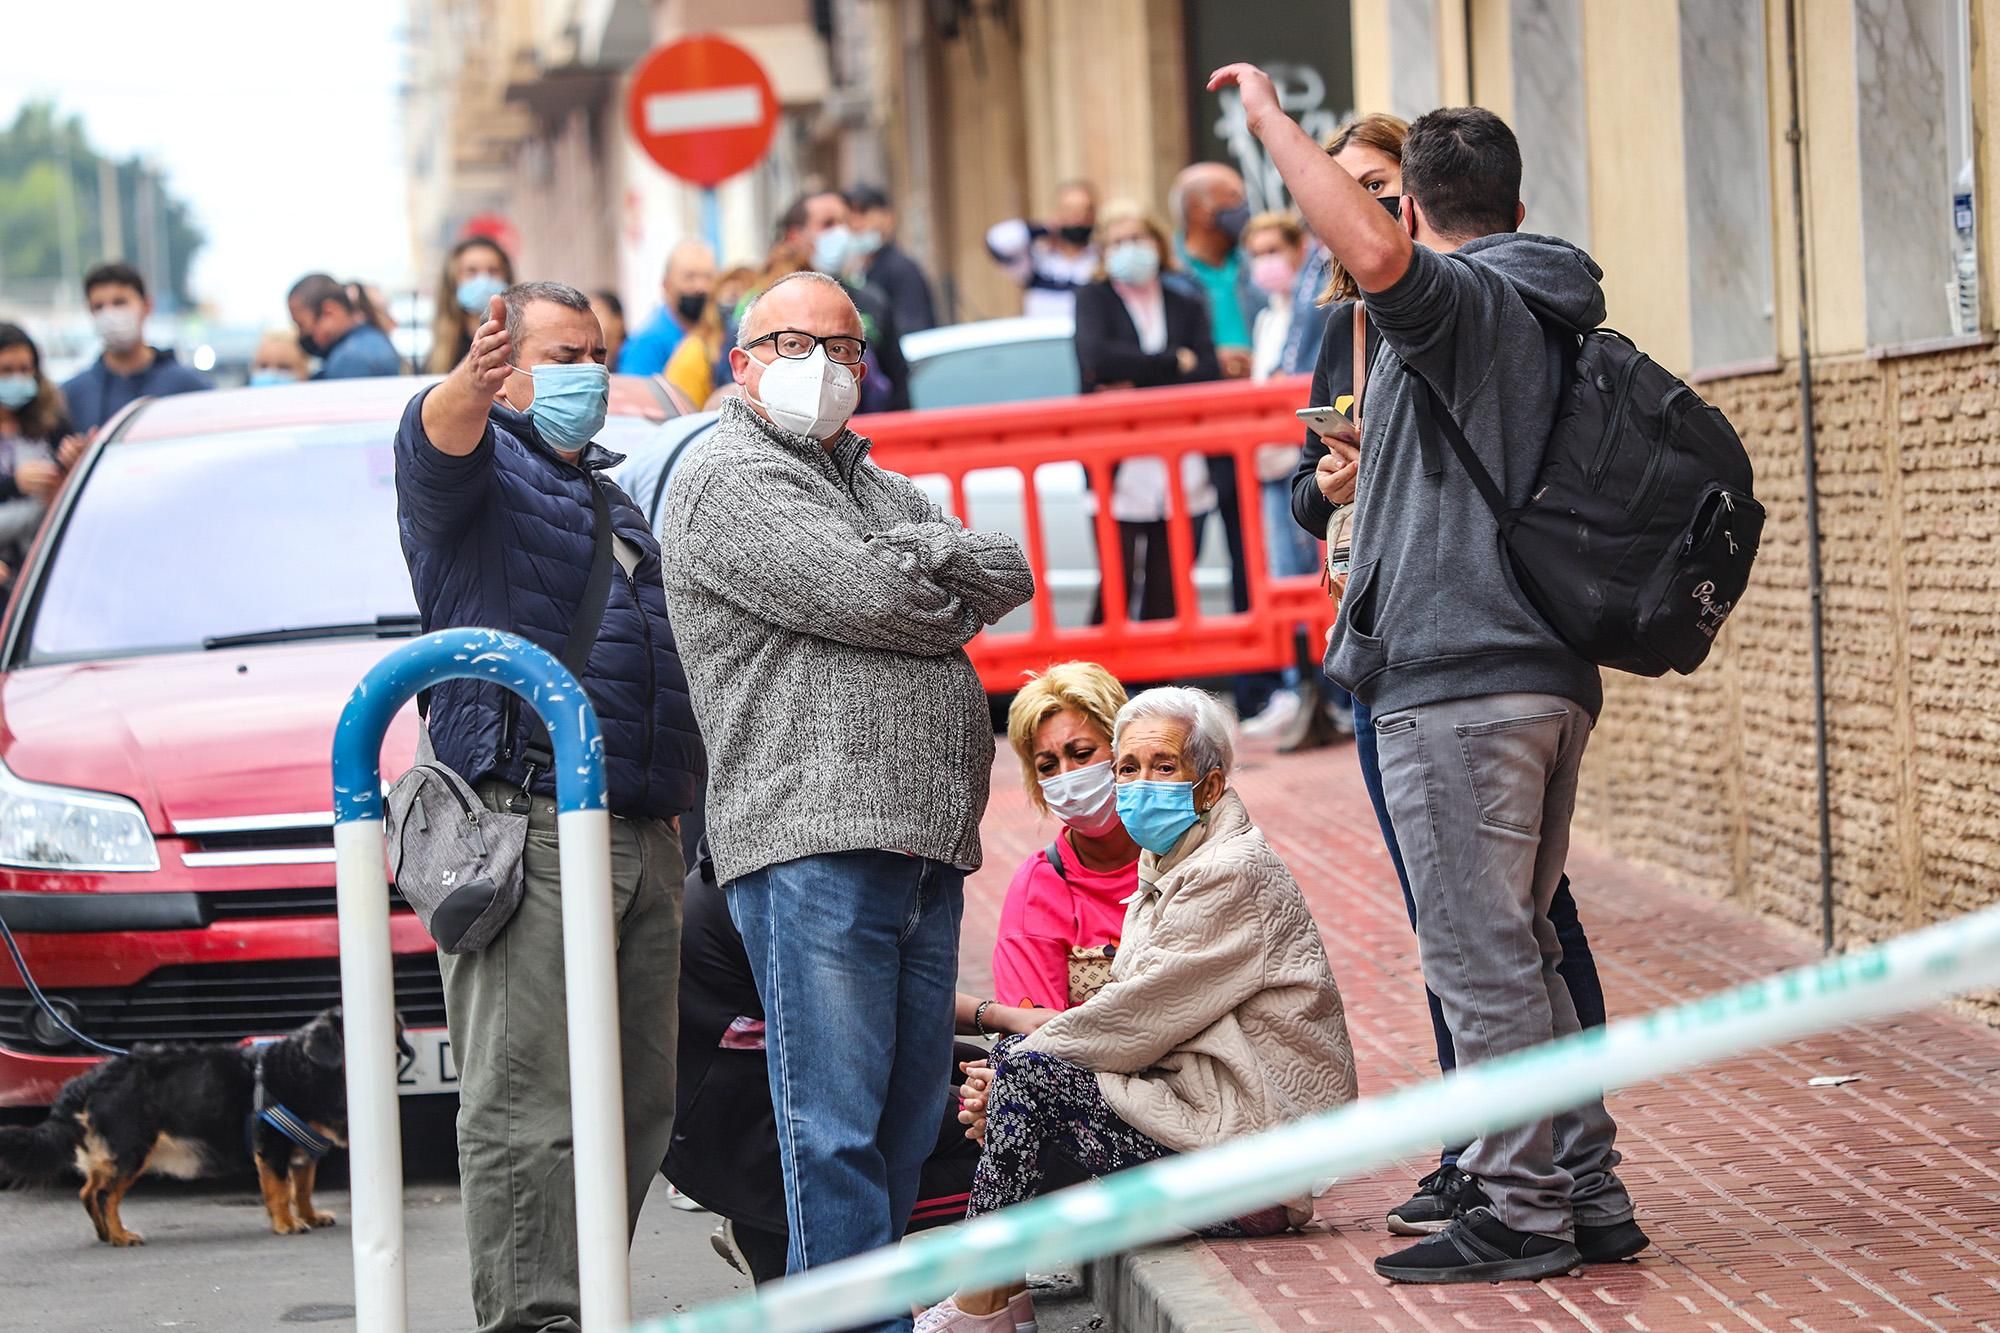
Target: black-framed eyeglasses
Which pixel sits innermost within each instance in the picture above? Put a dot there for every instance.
(797, 345)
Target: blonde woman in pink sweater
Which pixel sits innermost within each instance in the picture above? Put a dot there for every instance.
(1063, 914)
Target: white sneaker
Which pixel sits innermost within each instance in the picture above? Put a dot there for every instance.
(1277, 717)
(680, 1201)
(946, 1317)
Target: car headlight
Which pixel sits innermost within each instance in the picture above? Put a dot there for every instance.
(44, 827)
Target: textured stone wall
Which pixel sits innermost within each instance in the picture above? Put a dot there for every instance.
(1711, 778)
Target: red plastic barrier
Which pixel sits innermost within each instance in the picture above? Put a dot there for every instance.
(1099, 431)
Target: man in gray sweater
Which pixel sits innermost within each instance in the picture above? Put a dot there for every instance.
(823, 605)
(1481, 712)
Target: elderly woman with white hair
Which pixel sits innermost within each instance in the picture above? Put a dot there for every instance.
(1221, 1017)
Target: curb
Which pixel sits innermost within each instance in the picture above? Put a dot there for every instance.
(1177, 1288)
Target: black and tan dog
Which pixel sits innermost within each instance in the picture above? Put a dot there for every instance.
(191, 1111)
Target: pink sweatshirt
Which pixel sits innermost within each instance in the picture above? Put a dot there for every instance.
(1045, 915)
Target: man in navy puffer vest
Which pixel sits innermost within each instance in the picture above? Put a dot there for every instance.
(494, 470)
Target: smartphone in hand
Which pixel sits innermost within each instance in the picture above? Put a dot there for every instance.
(1324, 421)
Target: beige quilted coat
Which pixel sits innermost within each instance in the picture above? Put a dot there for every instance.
(1222, 1017)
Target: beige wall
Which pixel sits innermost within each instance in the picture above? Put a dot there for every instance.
(1832, 152)
(1369, 20)
(1711, 777)
(1638, 222)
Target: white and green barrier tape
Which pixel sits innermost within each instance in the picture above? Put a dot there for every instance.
(1172, 1196)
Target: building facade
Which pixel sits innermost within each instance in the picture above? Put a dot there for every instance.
(1658, 134)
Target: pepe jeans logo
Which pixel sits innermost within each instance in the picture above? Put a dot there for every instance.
(1713, 613)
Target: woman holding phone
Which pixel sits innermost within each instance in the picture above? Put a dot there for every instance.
(1370, 148)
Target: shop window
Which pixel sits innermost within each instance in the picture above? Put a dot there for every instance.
(1725, 137)
(1919, 246)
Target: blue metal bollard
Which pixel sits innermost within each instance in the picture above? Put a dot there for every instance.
(589, 961)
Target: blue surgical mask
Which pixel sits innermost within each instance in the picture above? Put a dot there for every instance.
(264, 379)
(571, 401)
(1134, 263)
(1156, 814)
(477, 292)
(831, 250)
(17, 391)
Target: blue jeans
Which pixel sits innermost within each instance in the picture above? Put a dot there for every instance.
(1289, 550)
(1578, 967)
(856, 958)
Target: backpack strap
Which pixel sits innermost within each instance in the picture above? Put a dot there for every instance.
(1360, 357)
(1434, 419)
(1054, 858)
(667, 469)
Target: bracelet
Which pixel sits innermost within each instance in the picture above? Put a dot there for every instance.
(979, 1016)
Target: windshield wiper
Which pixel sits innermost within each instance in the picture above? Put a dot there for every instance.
(382, 627)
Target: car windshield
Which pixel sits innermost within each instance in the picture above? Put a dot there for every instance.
(174, 541)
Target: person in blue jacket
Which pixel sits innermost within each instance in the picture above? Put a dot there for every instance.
(499, 492)
(336, 323)
(129, 369)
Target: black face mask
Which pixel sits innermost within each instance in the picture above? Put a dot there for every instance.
(689, 305)
(1392, 202)
(311, 346)
(1231, 221)
(1077, 235)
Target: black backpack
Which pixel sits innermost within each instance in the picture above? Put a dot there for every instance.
(1637, 539)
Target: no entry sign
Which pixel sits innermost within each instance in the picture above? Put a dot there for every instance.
(703, 109)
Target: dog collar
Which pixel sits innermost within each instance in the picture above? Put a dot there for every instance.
(280, 1117)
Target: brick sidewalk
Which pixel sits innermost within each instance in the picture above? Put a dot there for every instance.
(1771, 1204)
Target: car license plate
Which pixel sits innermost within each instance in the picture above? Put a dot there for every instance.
(430, 1068)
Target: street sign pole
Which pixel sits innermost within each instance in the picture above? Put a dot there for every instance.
(711, 221)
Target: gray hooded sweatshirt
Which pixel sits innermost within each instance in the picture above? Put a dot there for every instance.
(1432, 610)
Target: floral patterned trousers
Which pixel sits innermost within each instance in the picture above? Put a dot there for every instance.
(1041, 1104)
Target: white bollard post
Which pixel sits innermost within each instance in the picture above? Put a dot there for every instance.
(374, 1133)
(590, 966)
(596, 1076)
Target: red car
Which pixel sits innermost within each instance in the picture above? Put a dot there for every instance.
(210, 585)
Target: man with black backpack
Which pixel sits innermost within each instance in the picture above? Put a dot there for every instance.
(1481, 710)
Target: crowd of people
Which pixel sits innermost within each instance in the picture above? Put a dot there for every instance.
(798, 749)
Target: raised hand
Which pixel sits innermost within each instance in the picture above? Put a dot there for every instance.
(489, 363)
(1260, 98)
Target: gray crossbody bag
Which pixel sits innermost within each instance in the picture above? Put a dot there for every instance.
(457, 863)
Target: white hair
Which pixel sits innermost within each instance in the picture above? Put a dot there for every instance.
(750, 328)
(1209, 745)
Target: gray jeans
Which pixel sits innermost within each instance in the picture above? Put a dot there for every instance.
(1481, 792)
(508, 1031)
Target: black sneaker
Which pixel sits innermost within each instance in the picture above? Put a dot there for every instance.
(1478, 1247)
(1611, 1242)
(1441, 1196)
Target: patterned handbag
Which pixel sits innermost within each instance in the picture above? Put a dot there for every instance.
(1089, 971)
